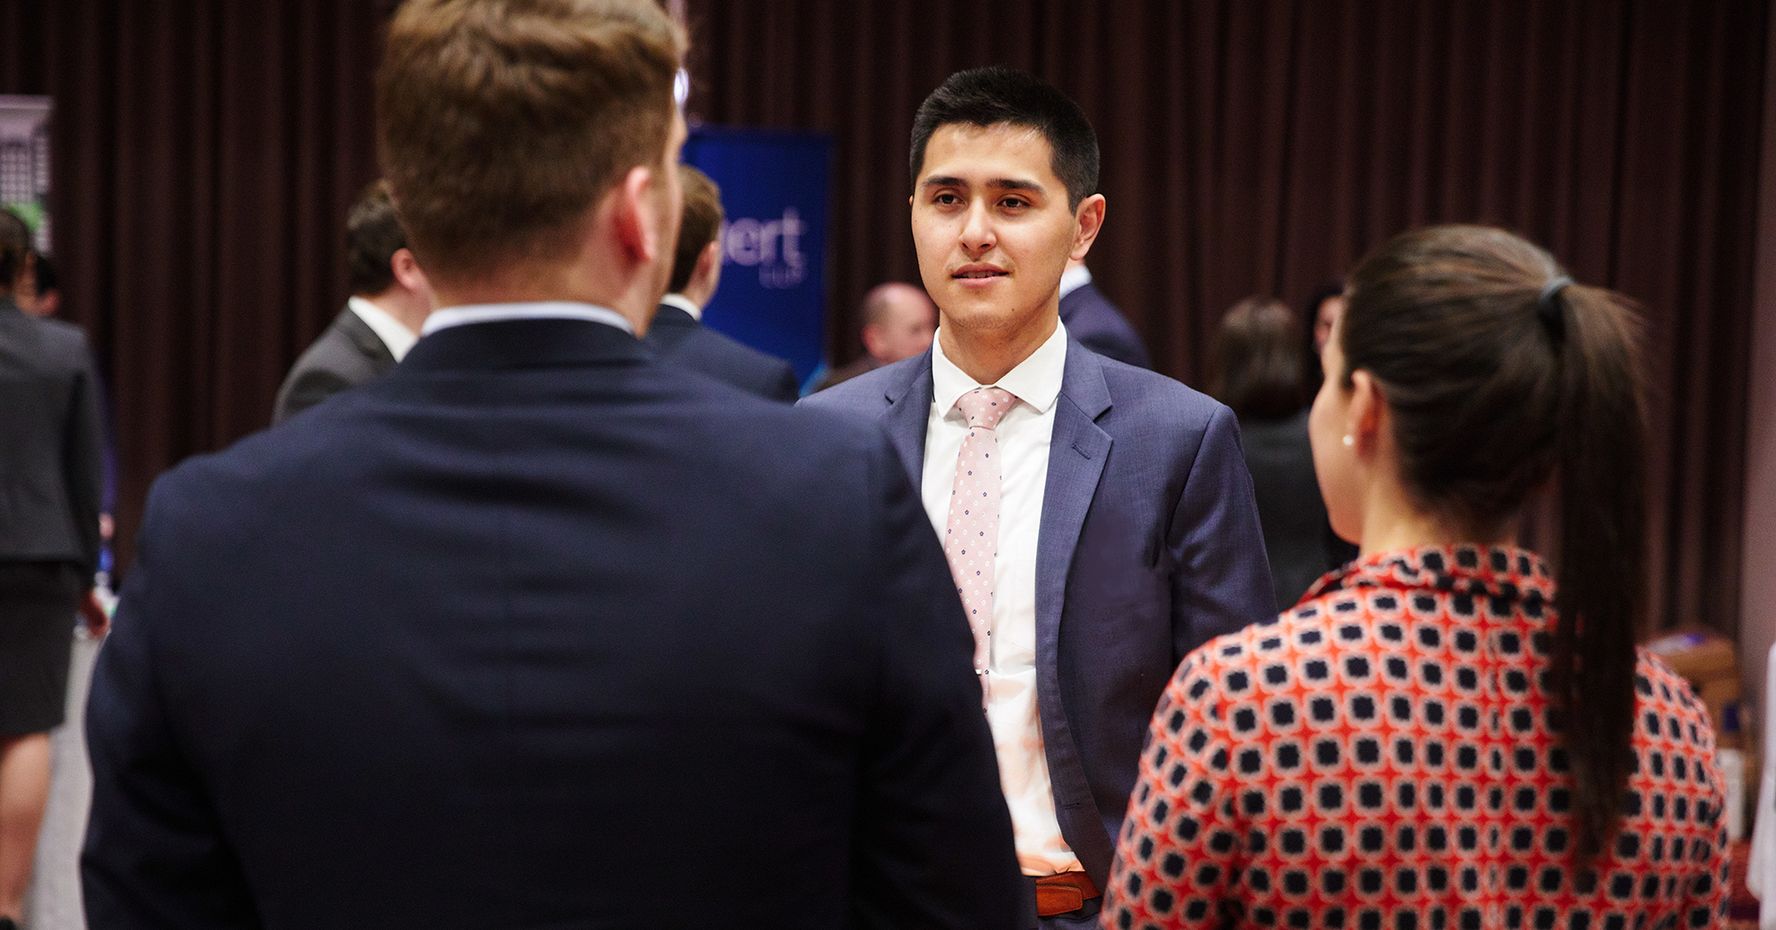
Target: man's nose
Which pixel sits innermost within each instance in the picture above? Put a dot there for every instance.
(977, 229)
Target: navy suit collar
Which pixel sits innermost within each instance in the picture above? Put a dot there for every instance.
(523, 343)
(908, 394)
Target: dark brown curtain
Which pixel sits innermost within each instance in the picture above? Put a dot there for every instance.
(205, 153)
(1261, 146)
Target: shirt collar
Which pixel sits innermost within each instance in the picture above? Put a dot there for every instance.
(1075, 278)
(1036, 380)
(1496, 571)
(539, 310)
(683, 303)
(393, 333)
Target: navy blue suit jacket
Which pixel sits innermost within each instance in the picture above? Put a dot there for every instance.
(537, 632)
(1149, 545)
(1092, 319)
(684, 342)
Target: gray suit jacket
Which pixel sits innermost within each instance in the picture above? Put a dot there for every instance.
(1149, 545)
(50, 442)
(347, 354)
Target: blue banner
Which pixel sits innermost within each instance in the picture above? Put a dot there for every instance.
(774, 188)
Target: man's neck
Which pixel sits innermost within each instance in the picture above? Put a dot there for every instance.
(405, 310)
(988, 356)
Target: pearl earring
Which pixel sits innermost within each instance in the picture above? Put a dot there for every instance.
(1349, 440)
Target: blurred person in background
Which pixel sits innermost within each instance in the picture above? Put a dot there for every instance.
(1098, 324)
(1449, 733)
(390, 300)
(49, 545)
(678, 335)
(1256, 369)
(898, 321)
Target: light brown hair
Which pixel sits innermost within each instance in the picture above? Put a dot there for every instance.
(1497, 377)
(701, 224)
(500, 123)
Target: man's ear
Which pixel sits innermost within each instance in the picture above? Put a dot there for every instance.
(406, 270)
(708, 261)
(1366, 416)
(633, 217)
(1087, 221)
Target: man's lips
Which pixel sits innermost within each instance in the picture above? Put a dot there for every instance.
(977, 273)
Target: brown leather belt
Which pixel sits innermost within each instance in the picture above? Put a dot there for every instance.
(1063, 893)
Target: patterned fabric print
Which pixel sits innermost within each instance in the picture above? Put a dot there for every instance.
(971, 536)
(1384, 757)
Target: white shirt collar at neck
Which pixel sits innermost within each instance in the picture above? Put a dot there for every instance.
(1075, 278)
(446, 317)
(1036, 380)
(393, 333)
(683, 303)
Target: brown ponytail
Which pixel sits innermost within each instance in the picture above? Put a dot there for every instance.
(1495, 382)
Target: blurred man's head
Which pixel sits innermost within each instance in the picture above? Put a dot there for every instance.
(15, 253)
(44, 295)
(531, 145)
(898, 320)
(379, 265)
(696, 263)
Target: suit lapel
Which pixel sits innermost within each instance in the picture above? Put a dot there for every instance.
(366, 341)
(1075, 463)
(905, 420)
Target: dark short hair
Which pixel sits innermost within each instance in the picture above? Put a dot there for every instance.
(15, 244)
(1257, 362)
(373, 235)
(994, 96)
(701, 224)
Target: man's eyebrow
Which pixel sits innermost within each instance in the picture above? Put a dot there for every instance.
(1009, 184)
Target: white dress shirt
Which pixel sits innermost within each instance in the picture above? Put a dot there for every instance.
(468, 314)
(1023, 436)
(393, 333)
(683, 303)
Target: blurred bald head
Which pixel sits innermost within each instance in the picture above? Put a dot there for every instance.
(898, 320)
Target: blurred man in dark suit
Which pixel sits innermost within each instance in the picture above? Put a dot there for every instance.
(678, 334)
(538, 631)
(389, 302)
(1096, 322)
(898, 320)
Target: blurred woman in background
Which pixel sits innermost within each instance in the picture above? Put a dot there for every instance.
(1446, 733)
(1256, 369)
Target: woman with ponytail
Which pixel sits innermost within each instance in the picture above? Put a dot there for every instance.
(1446, 733)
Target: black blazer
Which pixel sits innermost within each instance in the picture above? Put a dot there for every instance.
(50, 443)
(537, 632)
(1297, 536)
(1095, 322)
(681, 341)
(347, 353)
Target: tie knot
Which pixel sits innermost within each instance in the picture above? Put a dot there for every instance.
(985, 406)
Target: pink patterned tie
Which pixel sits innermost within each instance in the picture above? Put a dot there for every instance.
(971, 536)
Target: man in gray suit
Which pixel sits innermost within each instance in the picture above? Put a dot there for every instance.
(1098, 517)
(390, 301)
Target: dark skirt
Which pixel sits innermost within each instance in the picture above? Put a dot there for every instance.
(39, 605)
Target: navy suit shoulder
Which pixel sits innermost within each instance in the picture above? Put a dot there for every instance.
(558, 614)
(869, 390)
(687, 343)
(1098, 325)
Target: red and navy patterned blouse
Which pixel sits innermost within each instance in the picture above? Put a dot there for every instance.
(1383, 757)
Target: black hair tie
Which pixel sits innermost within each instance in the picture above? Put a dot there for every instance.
(1548, 305)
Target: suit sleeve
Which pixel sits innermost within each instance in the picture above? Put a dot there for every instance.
(83, 460)
(1222, 574)
(155, 855)
(933, 844)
